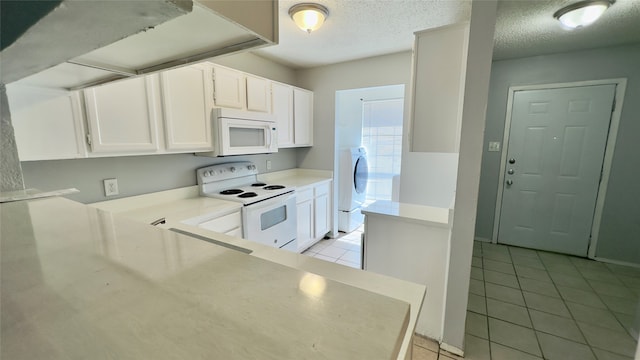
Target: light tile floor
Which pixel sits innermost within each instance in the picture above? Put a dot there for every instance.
(527, 304)
(346, 249)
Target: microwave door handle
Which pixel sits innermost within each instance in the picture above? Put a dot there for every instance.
(269, 136)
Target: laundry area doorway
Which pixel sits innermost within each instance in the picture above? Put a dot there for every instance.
(368, 152)
(369, 148)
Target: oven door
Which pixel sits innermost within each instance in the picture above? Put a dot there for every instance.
(240, 136)
(272, 222)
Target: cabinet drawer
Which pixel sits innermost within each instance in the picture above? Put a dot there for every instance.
(304, 195)
(321, 189)
(223, 224)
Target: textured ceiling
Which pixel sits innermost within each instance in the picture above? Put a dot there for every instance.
(526, 28)
(358, 29)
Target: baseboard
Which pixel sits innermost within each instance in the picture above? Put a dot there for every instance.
(481, 239)
(452, 349)
(617, 262)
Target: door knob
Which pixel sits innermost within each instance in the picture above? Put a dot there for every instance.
(509, 182)
(510, 171)
(512, 161)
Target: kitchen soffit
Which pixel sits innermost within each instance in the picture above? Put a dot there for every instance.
(210, 29)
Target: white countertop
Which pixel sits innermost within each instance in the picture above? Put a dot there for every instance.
(79, 282)
(149, 207)
(297, 178)
(411, 212)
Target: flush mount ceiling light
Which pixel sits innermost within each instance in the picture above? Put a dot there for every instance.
(308, 16)
(582, 13)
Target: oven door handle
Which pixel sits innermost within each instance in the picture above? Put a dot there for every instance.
(276, 200)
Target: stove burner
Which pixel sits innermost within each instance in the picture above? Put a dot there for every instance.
(274, 187)
(258, 184)
(230, 192)
(248, 195)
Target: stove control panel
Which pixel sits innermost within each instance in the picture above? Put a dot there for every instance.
(226, 171)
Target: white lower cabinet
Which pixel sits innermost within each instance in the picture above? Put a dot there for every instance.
(305, 218)
(322, 210)
(314, 214)
(47, 123)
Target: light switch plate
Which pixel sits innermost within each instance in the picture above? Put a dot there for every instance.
(111, 187)
(494, 146)
(268, 164)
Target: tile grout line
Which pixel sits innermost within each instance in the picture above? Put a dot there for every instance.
(564, 302)
(527, 306)
(486, 305)
(608, 309)
(568, 309)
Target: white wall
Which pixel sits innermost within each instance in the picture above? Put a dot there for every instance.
(428, 178)
(324, 81)
(136, 174)
(483, 19)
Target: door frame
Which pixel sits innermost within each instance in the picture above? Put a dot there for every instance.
(621, 85)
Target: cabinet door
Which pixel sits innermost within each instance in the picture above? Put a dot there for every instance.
(258, 94)
(187, 99)
(282, 106)
(47, 123)
(303, 117)
(321, 215)
(122, 116)
(228, 88)
(305, 225)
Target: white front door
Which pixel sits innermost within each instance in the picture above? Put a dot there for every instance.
(554, 162)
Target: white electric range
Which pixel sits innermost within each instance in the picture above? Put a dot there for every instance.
(269, 210)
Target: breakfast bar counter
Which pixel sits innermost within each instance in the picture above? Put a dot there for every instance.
(81, 282)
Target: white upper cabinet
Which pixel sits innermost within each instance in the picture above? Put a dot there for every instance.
(229, 88)
(282, 107)
(258, 94)
(303, 117)
(437, 91)
(187, 100)
(237, 90)
(47, 123)
(293, 109)
(122, 116)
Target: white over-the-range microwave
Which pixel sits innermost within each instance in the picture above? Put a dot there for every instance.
(239, 132)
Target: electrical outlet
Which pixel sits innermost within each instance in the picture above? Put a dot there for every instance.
(268, 164)
(494, 146)
(110, 187)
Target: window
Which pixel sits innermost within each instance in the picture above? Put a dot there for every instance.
(382, 137)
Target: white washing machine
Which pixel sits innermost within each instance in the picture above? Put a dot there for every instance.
(352, 192)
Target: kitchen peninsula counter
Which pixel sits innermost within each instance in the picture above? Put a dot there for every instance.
(411, 242)
(80, 282)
